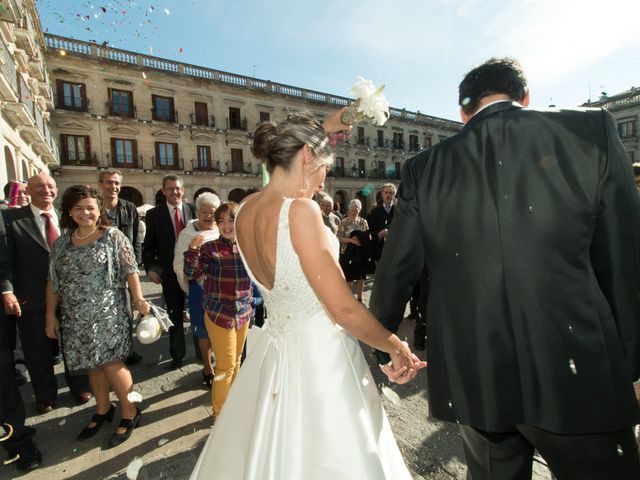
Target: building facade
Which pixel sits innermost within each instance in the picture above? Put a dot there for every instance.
(149, 116)
(625, 108)
(27, 145)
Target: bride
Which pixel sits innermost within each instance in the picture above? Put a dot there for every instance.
(304, 405)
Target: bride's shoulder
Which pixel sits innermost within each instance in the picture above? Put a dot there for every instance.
(303, 208)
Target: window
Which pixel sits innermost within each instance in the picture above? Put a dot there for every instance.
(339, 167)
(413, 143)
(237, 163)
(627, 129)
(75, 148)
(201, 116)
(381, 138)
(235, 122)
(398, 171)
(166, 155)
(427, 142)
(631, 156)
(163, 109)
(204, 157)
(124, 152)
(265, 116)
(361, 169)
(360, 136)
(398, 141)
(72, 96)
(120, 103)
(381, 169)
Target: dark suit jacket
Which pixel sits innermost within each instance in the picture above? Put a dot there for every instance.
(378, 220)
(127, 221)
(28, 258)
(529, 224)
(160, 239)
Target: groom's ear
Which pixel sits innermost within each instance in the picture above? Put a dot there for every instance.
(525, 99)
(464, 116)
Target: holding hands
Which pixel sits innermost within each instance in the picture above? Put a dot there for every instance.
(404, 365)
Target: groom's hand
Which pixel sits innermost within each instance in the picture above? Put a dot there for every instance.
(404, 366)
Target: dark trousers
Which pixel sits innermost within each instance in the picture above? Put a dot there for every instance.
(38, 356)
(509, 455)
(11, 406)
(174, 298)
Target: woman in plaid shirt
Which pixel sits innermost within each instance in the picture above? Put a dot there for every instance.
(226, 300)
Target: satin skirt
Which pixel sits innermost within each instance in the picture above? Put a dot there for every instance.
(304, 406)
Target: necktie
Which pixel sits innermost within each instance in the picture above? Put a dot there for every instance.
(178, 220)
(387, 208)
(51, 234)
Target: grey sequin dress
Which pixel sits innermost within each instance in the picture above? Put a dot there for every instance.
(91, 281)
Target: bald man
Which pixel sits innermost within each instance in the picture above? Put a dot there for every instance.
(29, 234)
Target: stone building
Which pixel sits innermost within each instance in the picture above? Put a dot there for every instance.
(625, 108)
(149, 116)
(27, 145)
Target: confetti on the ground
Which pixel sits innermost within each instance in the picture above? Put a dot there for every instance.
(162, 441)
(134, 468)
(134, 397)
(392, 396)
(62, 422)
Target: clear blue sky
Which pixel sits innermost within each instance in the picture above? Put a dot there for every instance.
(571, 49)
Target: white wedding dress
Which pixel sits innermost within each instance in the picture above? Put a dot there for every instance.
(304, 405)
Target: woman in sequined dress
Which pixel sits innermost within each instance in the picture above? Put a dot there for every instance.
(90, 267)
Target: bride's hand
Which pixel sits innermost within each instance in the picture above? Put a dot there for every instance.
(334, 124)
(404, 365)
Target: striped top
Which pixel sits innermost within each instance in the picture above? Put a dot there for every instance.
(227, 287)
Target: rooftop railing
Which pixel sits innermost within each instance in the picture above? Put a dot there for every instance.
(79, 47)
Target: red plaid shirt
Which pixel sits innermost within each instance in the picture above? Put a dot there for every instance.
(227, 287)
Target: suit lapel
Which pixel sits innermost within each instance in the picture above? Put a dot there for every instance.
(167, 219)
(28, 222)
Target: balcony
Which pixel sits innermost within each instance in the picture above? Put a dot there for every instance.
(79, 159)
(25, 36)
(363, 141)
(120, 110)
(397, 145)
(202, 120)
(238, 167)
(167, 164)
(236, 124)
(22, 112)
(8, 75)
(10, 12)
(337, 172)
(164, 115)
(22, 59)
(205, 166)
(73, 103)
(124, 161)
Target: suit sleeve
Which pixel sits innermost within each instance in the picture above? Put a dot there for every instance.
(615, 248)
(7, 255)
(150, 249)
(402, 259)
(137, 241)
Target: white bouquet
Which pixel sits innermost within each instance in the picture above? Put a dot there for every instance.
(370, 103)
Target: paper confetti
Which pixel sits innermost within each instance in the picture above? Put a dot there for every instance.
(134, 397)
(162, 441)
(134, 468)
(166, 10)
(392, 396)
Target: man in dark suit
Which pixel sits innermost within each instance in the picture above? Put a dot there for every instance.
(380, 218)
(30, 232)
(529, 224)
(19, 446)
(164, 224)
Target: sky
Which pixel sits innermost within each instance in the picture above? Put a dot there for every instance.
(571, 50)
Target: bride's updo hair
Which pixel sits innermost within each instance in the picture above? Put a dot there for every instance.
(277, 143)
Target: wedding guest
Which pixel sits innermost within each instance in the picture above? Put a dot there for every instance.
(15, 194)
(91, 265)
(20, 446)
(329, 218)
(205, 225)
(381, 216)
(226, 300)
(337, 210)
(164, 224)
(636, 173)
(123, 215)
(30, 233)
(354, 237)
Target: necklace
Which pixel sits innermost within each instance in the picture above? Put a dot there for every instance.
(85, 236)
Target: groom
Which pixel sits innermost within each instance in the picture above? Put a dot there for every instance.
(529, 225)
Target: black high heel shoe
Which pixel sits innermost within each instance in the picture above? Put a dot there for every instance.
(129, 424)
(88, 432)
(207, 378)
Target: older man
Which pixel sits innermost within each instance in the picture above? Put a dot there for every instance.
(164, 224)
(329, 218)
(529, 224)
(381, 217)
(29, 234)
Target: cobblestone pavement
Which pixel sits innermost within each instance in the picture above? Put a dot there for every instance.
(176, 420)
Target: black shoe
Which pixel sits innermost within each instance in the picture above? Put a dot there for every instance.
(133, 358)
(98, 419)
(129, 424)
(44, 407)
(207, 378)
(29, 457)
(174, 365)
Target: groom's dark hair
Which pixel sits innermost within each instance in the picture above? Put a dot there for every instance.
(495, 76)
